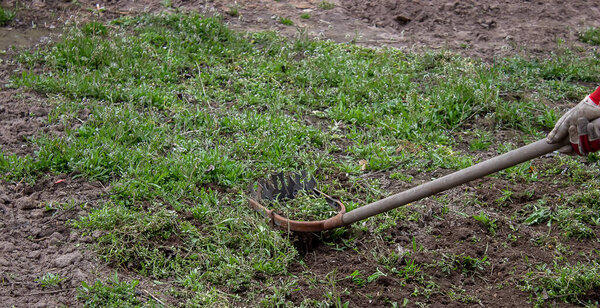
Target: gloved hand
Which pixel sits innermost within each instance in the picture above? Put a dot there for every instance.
(588, 109)
(584, 138)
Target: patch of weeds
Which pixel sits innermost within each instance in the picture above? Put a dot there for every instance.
(488, 223)
(280, 294)
(471, 264)
(392, 218)
(332, 294)
(167, 3)
(506, 197)
(305, 16)
(15, 167)
(590, 36)
(547, 119)
(570, 222)
(589, 198)
(577, 284)
(539, 213)
(446, 264)
(50, 280)
(521, 172)
(130, 237)
(460, 294)
(201, 294)
(305, 206)
(286, 21)
(465, 263)
(94, 28)
(378, 273)
(402, 176)
(575, 221)
(482, 141)
(505, 147)
(6, 16)
(233, 11)
(387, 258)
(326, 5)
(446, 157)
(113, 293)
(411, 271)
(357, 278)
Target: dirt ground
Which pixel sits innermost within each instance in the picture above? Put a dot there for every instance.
(485, 29)
(36, 241)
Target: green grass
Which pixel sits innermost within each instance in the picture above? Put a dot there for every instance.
(326, 5)
(233, 11)
(50, 280)
(6, 16)
(564, 283)
(112, 293)
(590, 36)
(185, 114)
(286, 21)
(304, 206)
(488, 223)
(576, 217)
(482, 141)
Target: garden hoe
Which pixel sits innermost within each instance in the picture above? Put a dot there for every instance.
(283, 187)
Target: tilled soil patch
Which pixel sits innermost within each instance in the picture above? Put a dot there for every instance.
(485, 29)
(23, 116)
(481, 28)
(463, 262)
(36, 240)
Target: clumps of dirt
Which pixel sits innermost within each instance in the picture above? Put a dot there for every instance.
(37, 241)
(481, 28)
(23, 115)
(485, 29)
(464, 261)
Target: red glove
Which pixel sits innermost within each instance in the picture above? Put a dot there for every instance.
(585, 137)
(587, 108)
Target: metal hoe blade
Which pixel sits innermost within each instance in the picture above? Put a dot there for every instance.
(283, 187)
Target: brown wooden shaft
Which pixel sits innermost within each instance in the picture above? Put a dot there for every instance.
(460, 177)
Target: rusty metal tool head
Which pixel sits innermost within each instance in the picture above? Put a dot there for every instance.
(280, 187)
(283, 187)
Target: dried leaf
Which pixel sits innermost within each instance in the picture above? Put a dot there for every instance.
(363, 164)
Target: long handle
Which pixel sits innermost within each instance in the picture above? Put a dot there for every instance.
(460, 177)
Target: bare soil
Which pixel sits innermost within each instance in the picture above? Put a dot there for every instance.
(485, 29)
(35, 241)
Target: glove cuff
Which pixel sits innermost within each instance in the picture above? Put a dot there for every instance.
(595, 97)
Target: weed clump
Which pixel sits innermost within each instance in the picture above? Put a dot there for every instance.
(326, 5)
(113, 293)
(6, 16)
(233, 11)
(94, 28)
(304, 206)
(286, 21)
(567, 283)
(590, 36)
